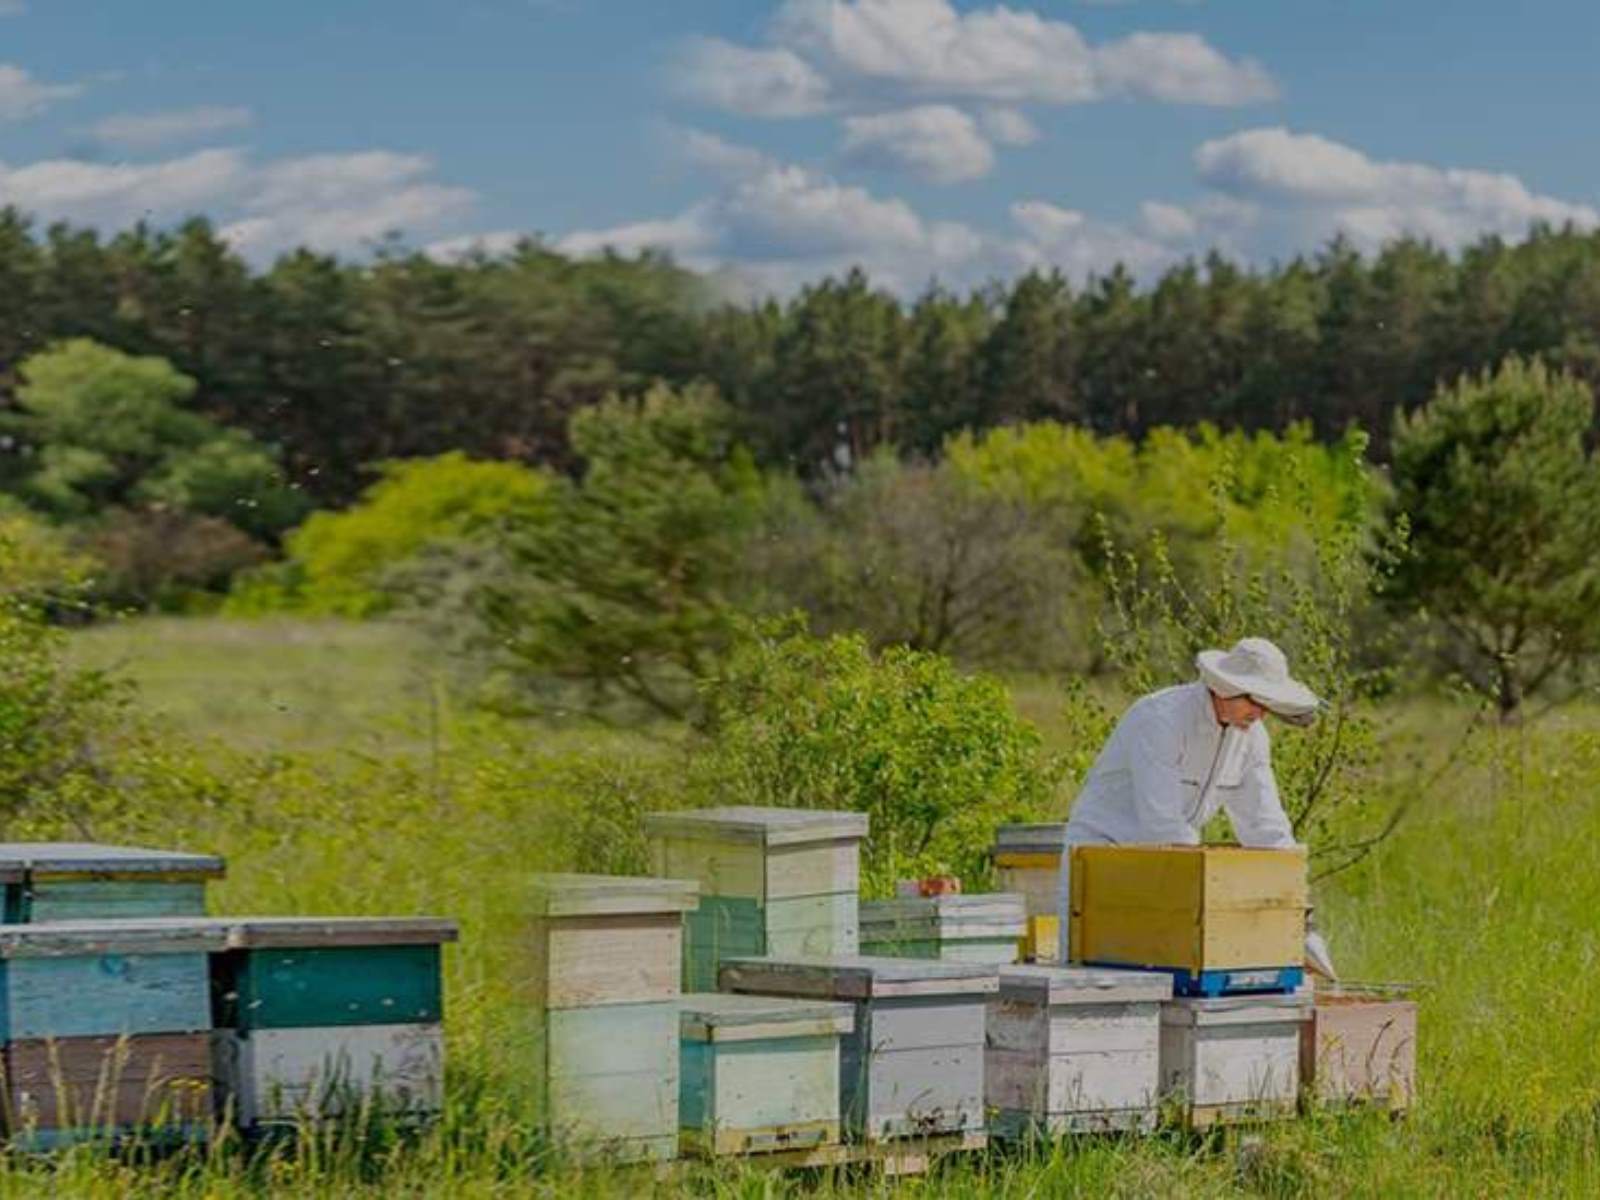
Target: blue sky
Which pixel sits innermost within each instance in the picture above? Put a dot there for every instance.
(773, 141)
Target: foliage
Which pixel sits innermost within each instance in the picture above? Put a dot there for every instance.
(1503, 496)
(339, 563)
(103, 429)
(935, 758)
(628, 587)
(165, 559)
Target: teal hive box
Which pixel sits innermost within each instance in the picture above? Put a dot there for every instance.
(773, 881)
(67, 881)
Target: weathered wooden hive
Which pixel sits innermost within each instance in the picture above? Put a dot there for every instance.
(759, 1073)
(1027, 861)
(1074, 1049)
(1232, 1058)
(1360, 1047)
(912, 1066)
(778, 881)
(1219, 919)
(984, 928)
(67, 881)
(319, 1016)
(107, 1029)
(602, 979)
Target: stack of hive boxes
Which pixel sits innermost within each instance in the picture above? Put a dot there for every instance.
(66, 881)
(912, 1064)
(323, 1016)
(1227, 926)
(984, 928)
(602, 978)
(107, 1029)
(776, 881)
(1027, 861)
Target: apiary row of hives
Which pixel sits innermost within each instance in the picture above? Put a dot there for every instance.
(937, 1034)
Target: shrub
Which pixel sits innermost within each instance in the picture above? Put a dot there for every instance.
(165, 558)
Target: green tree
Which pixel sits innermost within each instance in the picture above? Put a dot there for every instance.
(1503, 498)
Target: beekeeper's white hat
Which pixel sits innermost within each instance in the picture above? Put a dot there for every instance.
(1258, 669)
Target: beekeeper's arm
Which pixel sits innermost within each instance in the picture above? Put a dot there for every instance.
(1254, 807)
(1160, 799)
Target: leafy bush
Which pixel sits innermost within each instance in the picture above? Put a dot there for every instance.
(934, 757)
(165, 558)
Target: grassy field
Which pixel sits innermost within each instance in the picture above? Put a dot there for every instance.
(1489, 895)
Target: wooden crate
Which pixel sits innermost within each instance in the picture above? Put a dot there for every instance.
(67, 881)
(759, 1074)
(1074, 1049)
(610, 1076)
(294, 1075)
(1360, 1047)
(1027, 861)
(980, 928)
(93, 978)
(316, 972)
(775, 881)
(153, 1084)
(1232, 1059)
(604, 939)
(913, 1064)
(1200, 912)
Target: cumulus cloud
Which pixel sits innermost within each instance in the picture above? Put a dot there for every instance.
(1168, 222)
(22, 96)
(142, 131)
(752, 82)
(1008, 126)
(934, 142)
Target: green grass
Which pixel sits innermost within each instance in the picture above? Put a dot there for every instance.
(1489, 894)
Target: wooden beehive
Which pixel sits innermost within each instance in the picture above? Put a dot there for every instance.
(983, 928)
(321, 1015)
(759, 1074)
(1027, 861)
(68, 881)
(773, 881)
(913, 1064)
(1074, 1049)
(1218, 918)
(602, 977)
(1360, 1047)
(1233, 1058)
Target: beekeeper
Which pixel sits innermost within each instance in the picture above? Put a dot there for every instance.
(1180, 754)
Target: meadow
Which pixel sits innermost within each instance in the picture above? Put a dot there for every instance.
(335, 777)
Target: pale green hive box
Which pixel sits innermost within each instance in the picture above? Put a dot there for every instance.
(601, 977)
(1074, 1050)
(759, 1073)
(69, 881)
(912, 1066)
(983, 928)
(773, 881)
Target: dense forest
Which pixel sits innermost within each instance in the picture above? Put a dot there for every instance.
(343, 364)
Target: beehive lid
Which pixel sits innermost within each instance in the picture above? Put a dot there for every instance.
(1082, 985)
(761, 826)
(858, 977)
(1259, 1009)
(611, 895)
(247, 933)
(990, 914)
(146, 935)
(731, 1017)
(1030, 839)
(88, 858)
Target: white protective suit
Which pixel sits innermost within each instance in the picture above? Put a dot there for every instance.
(1165, 771)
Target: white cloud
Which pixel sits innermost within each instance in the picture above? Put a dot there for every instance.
(23, 96)
(1046, 222)
(120, 193)
(755, 83)
(1168, 222)
(1007, 126)
(1181, 68)
(140, 131)
(492, 244)
(722, 158)
(934, 142)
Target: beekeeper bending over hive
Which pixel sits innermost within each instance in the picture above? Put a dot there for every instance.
(1180, 754)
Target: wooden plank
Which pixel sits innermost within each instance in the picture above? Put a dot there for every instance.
(569, 895)
(90, 858)
(622, 959)
(1360, 1049)
(914, 1023)
(1053, 986)
(89, 995)
(774, 1084)
(726, 1017)
(613, 1039)
(588, 1112)
(72, 901)
(1232, 1064)
(813, 868)
(1043, 838)
(720, 868)
(1085, 1081)
(101, 936)
(763, 826)
(328, 985)
(305, 932)
(1039, 887)
(806, 926)
(1013, 1125)
(117, 1083)
(849, 977)
(810, 1138)
(913, 1093)
(284, 1075)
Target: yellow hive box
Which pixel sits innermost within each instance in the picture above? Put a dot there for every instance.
(1193, 908)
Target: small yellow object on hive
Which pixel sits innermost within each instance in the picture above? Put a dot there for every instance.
(1027, 860)
(1189, 908)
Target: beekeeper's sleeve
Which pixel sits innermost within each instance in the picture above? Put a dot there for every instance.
(1254, 806)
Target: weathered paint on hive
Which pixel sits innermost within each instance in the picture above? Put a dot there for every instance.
(611, 1077)
(569, 895)
(1232, 1059)
(320, 986)
(115, 899)
(20, 861)
(777, 1093)
(104, 1083)
(609, 959)
(1361, 1048)
(83, 995)
(272, 1075)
